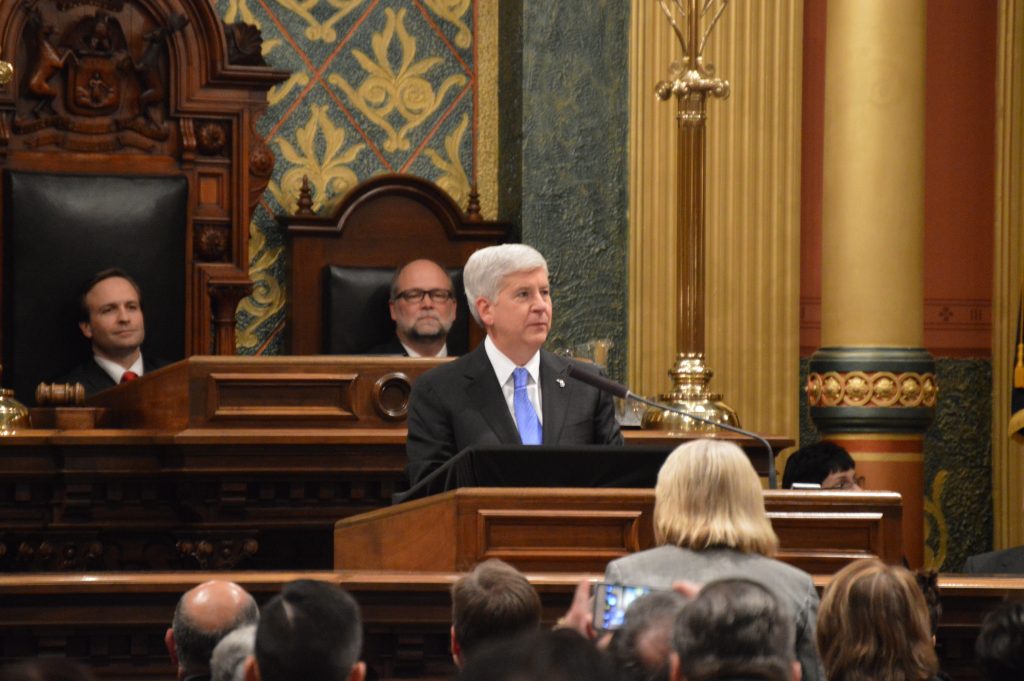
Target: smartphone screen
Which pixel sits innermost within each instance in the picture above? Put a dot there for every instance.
(611, 602)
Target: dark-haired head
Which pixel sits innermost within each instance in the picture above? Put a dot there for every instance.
(310, 631)
(815, 463)
(1000, 645)
(734, 628)
(110, 272)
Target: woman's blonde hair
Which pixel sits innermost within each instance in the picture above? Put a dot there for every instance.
(708, 494)
(873, 625)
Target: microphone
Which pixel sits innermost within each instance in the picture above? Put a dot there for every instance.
(618, 390)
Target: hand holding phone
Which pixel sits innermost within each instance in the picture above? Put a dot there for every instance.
(611, 602)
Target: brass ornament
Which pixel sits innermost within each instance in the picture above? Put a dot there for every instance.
(691, 82)
(690, 393)
(6, 72)
(871, 389)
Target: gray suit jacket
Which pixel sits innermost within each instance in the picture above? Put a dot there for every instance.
(460, 404)
(661, 566)
(1007, 562)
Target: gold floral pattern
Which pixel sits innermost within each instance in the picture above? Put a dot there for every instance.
(315, 29)
(453, 176)
(452, 11)
(329, 173)
(403, 90)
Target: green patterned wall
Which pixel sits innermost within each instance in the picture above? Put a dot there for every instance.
(957, 461)
(376, 86)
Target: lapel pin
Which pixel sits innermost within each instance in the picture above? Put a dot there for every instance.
(560, 382)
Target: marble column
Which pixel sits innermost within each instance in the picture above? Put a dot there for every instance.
(872, 385)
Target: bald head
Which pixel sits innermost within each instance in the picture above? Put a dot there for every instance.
(204, 616)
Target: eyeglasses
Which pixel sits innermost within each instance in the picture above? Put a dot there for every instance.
(415, 295)
(847, 485)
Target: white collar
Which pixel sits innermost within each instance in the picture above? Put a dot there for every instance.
(115, 370)
(412, 353)
(503, 366)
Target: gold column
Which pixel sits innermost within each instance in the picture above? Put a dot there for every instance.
(1007, 455)
(752, 210)
(872, 385)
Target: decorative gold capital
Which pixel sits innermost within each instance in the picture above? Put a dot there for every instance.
(875, 389)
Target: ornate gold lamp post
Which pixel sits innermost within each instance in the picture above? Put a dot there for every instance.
(692, 81)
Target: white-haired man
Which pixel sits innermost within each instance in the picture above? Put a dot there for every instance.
(508, 390)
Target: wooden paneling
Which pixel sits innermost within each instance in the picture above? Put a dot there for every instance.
(582, 529)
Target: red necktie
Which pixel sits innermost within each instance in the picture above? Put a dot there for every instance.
(128, 376)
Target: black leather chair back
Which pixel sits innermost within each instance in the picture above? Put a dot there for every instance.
(356, 316)
(59, 230)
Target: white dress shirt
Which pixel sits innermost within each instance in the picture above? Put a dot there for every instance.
(115, 370)
(503, 368)
(412, 353)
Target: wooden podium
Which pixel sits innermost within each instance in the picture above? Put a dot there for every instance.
(580, 530)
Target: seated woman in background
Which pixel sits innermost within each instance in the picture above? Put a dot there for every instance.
(874, 625)
(710, 523)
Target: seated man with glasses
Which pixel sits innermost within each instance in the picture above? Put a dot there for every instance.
(823, 465)
(423, 307)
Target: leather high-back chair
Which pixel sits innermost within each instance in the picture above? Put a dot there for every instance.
(380, 224)
(127, 138)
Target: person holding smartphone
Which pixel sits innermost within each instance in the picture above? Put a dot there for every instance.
(710, 523)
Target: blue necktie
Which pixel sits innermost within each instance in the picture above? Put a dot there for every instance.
(526, 415)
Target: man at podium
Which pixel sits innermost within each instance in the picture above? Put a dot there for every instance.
(508, 390)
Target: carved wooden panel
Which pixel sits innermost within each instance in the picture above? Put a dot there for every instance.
(147, 88)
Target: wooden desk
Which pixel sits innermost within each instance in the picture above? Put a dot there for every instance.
(116, 622)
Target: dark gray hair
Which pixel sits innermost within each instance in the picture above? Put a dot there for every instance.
(487, 268)
(735, 628)
(647, 633)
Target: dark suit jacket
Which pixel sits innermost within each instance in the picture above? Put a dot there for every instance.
(1007, 561)
(392, 347)
(94, 379)
(460, 404)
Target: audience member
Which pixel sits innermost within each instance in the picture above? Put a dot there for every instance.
(734, 629)
(560, 655)
(508, 390)
(874, 626)
(422, 305)
(823, 463)
(710, 523)
(311, 631)
(110, 308)
(493, 602)
(1000, 645)
(228, 660)
(47, 669)
(204, 615)
(640, 649)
